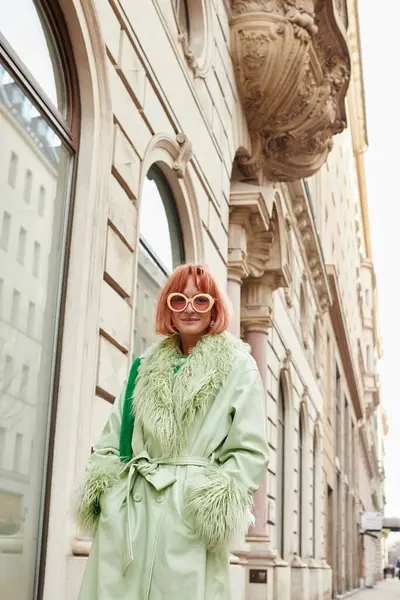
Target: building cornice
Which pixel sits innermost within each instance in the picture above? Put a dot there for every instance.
(342, 337)
(303, 223)
(256, 241)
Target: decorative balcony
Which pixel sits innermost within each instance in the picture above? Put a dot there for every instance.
(292, 70)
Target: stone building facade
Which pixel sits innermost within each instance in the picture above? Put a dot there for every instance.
(188, 130)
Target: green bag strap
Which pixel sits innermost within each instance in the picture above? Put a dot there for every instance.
(128, 418)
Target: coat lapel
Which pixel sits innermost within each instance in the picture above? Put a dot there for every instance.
(166, 403)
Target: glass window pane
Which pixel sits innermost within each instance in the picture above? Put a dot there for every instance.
(28, 186)
(42, 201)
(160, 251)
(16, 302)
(21, 245)
(5, 230)
(26, 30)
(159, 222)
(12, 169)
(31, 248)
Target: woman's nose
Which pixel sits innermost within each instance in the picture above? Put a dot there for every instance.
(189, 308)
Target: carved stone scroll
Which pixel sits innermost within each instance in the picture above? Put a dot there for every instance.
(184, 155)
(292, 69)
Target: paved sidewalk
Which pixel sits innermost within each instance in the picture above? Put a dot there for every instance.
(388, 589)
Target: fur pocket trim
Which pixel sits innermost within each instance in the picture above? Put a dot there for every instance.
(218, 507)
(100, 476)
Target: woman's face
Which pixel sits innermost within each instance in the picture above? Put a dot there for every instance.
(189, 322)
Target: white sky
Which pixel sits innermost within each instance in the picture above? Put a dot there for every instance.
(154, 223)
(21, 26)
(379, 24)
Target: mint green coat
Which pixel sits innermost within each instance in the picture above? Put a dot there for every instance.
(164, 515)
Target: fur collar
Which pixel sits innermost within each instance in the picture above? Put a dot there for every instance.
(165, 402)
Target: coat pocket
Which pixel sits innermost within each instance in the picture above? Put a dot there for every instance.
(218, 507)
(113, 499)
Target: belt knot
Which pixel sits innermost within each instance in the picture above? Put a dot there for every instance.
(158, 472)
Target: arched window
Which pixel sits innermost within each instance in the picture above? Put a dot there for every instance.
(280, 473)
(39, 124)
(161, 249)
(289, 260)
(301, 454)
(195, 33)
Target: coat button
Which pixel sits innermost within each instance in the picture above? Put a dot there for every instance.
(159, 499)
(137, 498)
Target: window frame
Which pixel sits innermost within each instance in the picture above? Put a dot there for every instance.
(67, 129)
(12, 169)
(197, 41)
(28, 184)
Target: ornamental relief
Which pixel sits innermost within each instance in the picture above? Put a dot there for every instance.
(257, 244)
(341, 8)
(302, 222)
(292, 69)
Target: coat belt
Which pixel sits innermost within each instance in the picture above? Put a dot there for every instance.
(156, 472)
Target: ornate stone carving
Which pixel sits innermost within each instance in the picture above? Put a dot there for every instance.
(258, 250)
(303, 223)
(188, 52)
(184, 155)
(257, 253)
(292, 70)
(287, 359)
(256, 246)
(341, 9)
(257, 305)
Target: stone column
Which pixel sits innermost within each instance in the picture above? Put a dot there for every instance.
(234, 294)
(237, 266)
(256, 320)
(257, 337)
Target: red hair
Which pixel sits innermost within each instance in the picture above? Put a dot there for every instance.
(206, 283)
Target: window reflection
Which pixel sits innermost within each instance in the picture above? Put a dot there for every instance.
(28, 33)
(32, 159)
(160, 251)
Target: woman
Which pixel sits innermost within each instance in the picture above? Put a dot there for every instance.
(172, 476)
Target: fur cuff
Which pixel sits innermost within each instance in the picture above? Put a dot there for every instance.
(218, 507)
(100, 476)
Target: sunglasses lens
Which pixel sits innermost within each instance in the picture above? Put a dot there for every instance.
(177, 302)
(202, 303)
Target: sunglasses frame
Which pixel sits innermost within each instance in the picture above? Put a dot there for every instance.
(190, 301)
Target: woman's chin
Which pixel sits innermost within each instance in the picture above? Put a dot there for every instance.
(192, 329)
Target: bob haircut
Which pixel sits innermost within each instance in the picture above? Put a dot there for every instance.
(206, 283)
